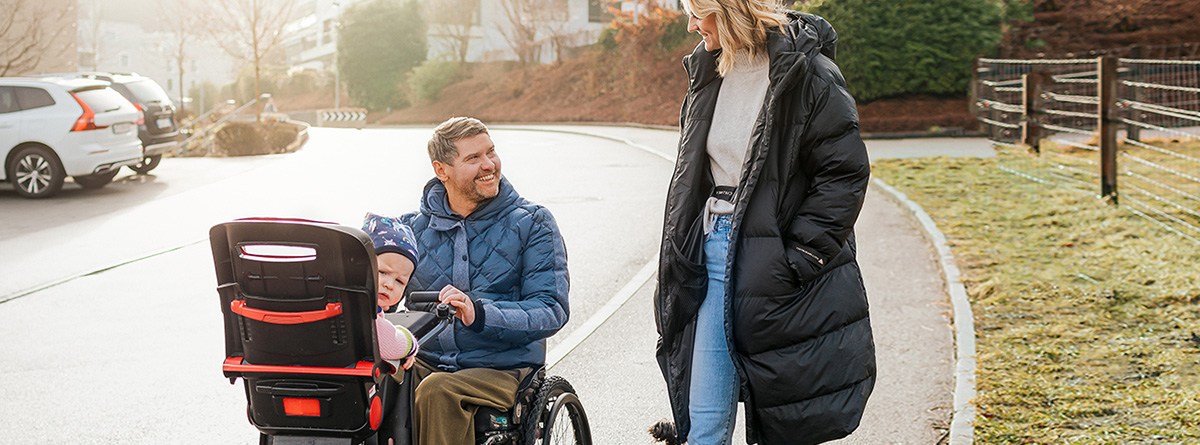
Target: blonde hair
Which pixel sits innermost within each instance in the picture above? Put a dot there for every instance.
(441, 145)
(741, 25)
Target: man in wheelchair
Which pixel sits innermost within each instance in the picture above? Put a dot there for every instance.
(500, 262)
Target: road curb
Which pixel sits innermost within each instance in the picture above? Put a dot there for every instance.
(962, 424)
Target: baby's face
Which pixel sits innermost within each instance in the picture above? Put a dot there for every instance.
(394, 271)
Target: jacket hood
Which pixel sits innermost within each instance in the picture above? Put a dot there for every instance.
(434, 201)
(805, 34)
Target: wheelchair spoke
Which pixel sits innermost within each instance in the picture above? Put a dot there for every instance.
(564, 429)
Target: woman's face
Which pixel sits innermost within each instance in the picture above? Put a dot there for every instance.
(707, 27)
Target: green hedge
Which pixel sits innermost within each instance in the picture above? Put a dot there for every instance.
(898, 47)
(428, 80)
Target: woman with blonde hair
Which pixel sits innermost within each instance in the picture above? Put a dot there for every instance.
(760, 298)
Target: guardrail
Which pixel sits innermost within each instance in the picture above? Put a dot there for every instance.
(1108, 119)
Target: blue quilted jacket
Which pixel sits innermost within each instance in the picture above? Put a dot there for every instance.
(509, 257)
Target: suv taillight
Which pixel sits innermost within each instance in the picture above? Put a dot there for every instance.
(88, 120)
(141, 115)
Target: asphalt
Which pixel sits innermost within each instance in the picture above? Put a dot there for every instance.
(911, 316)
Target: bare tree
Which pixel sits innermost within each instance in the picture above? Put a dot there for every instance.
(180, 18)
(31, 30)
(92, 35)
(529, 23)
(249, 29)
(452, 21)
(556, 27)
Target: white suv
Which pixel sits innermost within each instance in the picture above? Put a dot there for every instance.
(54, 128)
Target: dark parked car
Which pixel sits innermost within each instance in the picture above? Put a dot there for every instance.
(157, 129)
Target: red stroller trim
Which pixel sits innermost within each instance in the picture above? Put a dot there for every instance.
(238, 365)
(239, 307)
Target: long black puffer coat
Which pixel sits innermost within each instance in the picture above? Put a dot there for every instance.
(798, 315)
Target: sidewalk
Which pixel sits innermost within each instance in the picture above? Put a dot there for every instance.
(910, 314)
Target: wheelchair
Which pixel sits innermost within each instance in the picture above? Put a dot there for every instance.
(298, 300)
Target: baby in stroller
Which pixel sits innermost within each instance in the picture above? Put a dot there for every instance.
(396, 258)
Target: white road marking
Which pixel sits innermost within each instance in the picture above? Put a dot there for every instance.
(584, 331)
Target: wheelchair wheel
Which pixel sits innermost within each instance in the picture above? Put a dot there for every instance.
(567, 423)
(557, 417)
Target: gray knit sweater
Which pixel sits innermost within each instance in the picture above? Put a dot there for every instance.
(738, 104)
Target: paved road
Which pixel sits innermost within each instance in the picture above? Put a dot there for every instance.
(131, 354)
(128, 355)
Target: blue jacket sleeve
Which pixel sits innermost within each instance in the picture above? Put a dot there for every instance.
(542, 308)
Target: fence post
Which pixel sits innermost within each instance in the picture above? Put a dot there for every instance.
(1031, 127)
(1108, 123)
(1134, 132)
(973, 92)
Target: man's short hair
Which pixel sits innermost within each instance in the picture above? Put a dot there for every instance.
(441, 145)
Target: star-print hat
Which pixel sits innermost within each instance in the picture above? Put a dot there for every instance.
(389, 235)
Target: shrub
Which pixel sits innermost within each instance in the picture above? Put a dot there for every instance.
(280, 136)
(608, 39)
(899, 47)
(675, 34)
(658, 31)
(428, 80)
(301, 82)
(241, 139)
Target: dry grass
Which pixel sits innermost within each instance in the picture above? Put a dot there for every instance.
(1087, 315)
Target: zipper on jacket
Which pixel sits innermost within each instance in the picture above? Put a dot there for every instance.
(812, 255)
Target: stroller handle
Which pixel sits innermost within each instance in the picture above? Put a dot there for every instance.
(239, 307)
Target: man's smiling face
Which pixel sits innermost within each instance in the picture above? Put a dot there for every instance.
(474, 176)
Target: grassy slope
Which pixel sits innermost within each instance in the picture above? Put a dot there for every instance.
(1087, 315)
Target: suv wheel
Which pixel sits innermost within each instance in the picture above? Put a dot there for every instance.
(96, 180)
(36, 172)
(148, 163)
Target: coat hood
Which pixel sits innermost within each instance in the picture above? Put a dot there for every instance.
(805, 34)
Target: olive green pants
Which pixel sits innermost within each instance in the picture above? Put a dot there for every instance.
(445, 402)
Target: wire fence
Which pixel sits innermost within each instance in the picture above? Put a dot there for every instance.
(1171, 51)
(1094, 124)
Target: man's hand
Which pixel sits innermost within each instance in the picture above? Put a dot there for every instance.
(408, 362)
(463, 306)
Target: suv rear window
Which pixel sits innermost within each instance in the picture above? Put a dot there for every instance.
(8, 100)
(30, 98)
(101, 99)
(146, 91)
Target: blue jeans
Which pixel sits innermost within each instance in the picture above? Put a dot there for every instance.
(713, 391)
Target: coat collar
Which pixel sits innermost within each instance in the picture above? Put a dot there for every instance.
(435, 204)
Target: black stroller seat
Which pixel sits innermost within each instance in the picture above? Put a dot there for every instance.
(298, 300)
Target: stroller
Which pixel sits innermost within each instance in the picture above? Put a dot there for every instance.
(298, 300)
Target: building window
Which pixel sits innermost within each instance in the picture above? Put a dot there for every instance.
(124, 60)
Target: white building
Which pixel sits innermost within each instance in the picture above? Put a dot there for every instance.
(312, 38)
